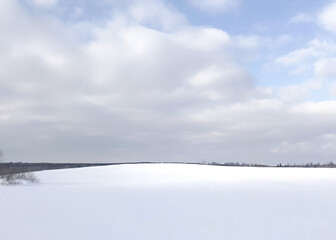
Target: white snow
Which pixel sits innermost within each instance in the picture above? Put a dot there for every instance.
(172, 202)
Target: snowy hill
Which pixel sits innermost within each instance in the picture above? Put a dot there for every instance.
(172, 202)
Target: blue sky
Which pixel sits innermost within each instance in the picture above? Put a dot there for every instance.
(144, 80)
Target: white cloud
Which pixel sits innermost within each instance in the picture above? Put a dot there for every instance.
(315, 58)
(327, 17)
(207, 77)
(204, 38)
(325, 67)
(298, 56)
(299, 92)
(301, 18)
(312, 108)
(214, 5)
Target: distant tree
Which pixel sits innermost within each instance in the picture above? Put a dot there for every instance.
(330, 164)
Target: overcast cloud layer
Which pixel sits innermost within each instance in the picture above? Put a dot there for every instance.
(145, 80)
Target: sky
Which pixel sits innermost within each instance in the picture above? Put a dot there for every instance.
(154, 80)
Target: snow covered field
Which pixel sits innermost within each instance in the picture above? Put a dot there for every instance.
(172, 202)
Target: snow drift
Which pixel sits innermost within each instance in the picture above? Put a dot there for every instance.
(172, 202)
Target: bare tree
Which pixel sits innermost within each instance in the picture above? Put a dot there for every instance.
(16, 178)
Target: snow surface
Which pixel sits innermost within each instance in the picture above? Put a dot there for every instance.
(172, 202)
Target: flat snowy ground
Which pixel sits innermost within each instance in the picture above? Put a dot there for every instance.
(172, 202)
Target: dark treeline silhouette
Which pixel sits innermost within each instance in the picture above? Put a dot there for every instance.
(309, 165)
(236, 164)
(305, 165)
(19, 167)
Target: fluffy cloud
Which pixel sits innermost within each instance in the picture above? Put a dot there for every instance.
(123, 85)
(316, 54)
(327, 17)
(316, 57)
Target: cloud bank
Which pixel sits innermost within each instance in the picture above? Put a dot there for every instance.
(144, 84)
